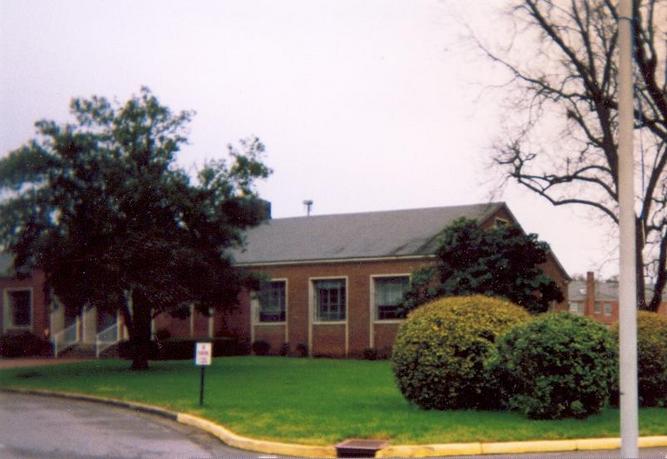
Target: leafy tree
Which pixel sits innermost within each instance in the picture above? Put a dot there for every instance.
(101, 207)
(501, 262)
(562, 141)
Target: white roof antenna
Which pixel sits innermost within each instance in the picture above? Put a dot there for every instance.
(309, 205)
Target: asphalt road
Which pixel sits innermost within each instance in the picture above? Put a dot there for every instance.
(53, 428)
(45, 427)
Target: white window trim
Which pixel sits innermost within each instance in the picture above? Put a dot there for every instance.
(8, 322)
(255, 309)
(372, 298)
(373, 320)
(312, 298)
(192, 320)
(580, 308)
(311, 311)
(254, 312)
(211, 322)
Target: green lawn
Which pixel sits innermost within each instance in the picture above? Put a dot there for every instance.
(309, 401)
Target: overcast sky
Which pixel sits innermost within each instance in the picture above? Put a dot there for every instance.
(363, 105)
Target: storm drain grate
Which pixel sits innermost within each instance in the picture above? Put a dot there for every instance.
(359, 448)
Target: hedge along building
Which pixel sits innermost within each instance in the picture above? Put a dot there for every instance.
(334, 282)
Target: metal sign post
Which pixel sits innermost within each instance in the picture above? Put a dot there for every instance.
(203, 357)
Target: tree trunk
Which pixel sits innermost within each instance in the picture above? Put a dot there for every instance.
(661, 279)
(140, 333)
(639, 265)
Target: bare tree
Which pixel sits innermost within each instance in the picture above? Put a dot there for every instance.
(563, 70)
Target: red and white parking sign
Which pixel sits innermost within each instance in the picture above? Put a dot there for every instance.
(203, 353)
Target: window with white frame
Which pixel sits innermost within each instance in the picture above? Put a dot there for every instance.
(19, 307)
(388, 296)
(272, 302)
(329, 300)
(577, 308)
(597, 308)
(607, 309)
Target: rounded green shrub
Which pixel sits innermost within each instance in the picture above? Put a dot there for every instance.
(440, 351)
(651, 359)
(557, 366)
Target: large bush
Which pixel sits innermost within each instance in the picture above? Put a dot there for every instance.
(557, 366)
(651, 359)
(440, 351)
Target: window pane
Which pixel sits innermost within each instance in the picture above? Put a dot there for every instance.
(20, 308)
(389, 293)
(330, 296)
(577, 308)
(272, 302)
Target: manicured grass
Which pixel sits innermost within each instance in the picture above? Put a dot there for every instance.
(309, 401)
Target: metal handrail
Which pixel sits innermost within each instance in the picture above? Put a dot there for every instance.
(66, 338)
(106, 338)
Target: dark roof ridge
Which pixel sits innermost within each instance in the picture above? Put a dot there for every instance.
(490, 204)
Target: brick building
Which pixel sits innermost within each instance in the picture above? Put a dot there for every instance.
(332, 285)
(598, 299)
(334, 282)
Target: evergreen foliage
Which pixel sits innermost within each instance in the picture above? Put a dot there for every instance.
(102, 208)
(500, 261)
(440, 353)
(651, 359)
(557, 366)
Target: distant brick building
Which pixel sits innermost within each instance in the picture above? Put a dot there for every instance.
(598, 299)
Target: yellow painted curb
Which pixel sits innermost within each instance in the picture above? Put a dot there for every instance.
(590, 444)
(237, 441)
(450, 449)
(540, 446)
(653, 442)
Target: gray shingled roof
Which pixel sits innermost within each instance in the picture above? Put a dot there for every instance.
(604, 291)
(397, 233)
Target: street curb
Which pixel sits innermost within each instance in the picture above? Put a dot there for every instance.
(515, 447)
(287, 449)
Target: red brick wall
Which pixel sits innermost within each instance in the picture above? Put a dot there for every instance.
(384, 337)
(40, 306)
(272, 334)
(327, 339)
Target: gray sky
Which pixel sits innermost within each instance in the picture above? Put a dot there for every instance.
(363, 105)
